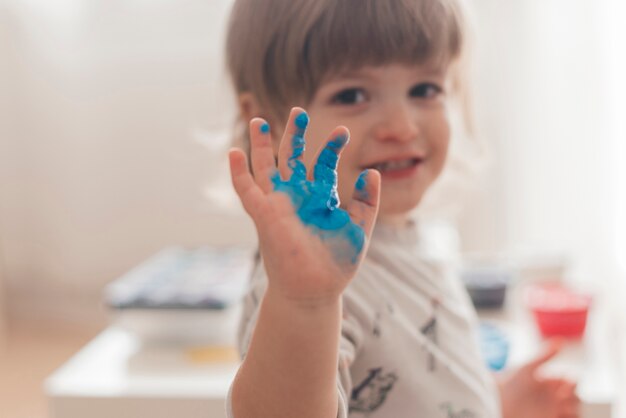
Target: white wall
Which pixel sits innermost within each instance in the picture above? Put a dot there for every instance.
(543, 106)
(614, 14)
(5, 129)
(101, 162)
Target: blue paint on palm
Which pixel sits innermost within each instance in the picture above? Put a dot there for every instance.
(317, 202)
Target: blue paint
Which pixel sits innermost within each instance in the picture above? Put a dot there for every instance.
(302, 120)
(297, 141)
(361, 183)
(317, 202)
(265, 128)
(325, 171)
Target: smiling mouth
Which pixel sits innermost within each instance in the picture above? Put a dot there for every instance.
(397, 165)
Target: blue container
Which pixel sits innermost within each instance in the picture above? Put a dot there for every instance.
(494, 346)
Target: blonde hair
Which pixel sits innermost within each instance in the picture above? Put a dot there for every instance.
(280, 51)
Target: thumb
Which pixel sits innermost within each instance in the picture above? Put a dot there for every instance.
(554, 348)
(364, 204)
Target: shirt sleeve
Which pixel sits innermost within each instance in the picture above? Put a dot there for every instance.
(351, 337)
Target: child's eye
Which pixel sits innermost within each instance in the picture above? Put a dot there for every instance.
(425, 91)
(350, 96)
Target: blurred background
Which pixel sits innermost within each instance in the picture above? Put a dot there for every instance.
(115, 117)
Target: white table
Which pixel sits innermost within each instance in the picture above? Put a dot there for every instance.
(116, 376)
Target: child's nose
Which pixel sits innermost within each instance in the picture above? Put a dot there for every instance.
(397, 123)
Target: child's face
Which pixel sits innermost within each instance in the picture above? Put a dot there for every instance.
(398, 125)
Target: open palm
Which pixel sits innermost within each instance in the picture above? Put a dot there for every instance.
(311, 247)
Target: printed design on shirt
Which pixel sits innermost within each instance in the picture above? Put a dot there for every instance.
(376, 327)
(370, 394)
(429, 329)
(448, 410)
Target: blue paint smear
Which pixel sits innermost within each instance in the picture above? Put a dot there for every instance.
(265, 128)
(361, 183)
(317, 202)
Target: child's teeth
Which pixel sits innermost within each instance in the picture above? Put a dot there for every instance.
(394, 165)
(381, 167)
(398, 164)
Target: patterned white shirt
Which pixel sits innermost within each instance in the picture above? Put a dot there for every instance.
(409, 343)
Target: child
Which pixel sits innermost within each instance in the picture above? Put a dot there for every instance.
(344, 319)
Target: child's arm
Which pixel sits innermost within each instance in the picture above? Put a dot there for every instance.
(290, 369)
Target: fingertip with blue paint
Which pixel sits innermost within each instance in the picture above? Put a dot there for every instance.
(361, 182)
(361, 185)
(339, 142)
(297, 141)
(265, 128)
(302, 120)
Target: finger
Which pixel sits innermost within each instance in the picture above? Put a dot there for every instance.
(292, 144)
(325, 169)
(550, 352)
(569, 410)
(365, 200)
(248, 191)
(567, 391)
(262, 154)
(559, 383)
(570, 404)
(562, 392)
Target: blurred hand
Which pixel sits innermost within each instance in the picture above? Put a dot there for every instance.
(310, 246)
(524, 394)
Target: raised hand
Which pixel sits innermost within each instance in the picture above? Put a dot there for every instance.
(311, 247)
(524, 394)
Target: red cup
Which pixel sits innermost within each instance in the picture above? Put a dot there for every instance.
(558, 310)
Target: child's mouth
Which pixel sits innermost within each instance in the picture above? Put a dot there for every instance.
(397, 168)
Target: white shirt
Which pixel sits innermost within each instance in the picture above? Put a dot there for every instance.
(409, 343)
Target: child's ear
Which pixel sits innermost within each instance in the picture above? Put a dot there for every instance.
(249, 106)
